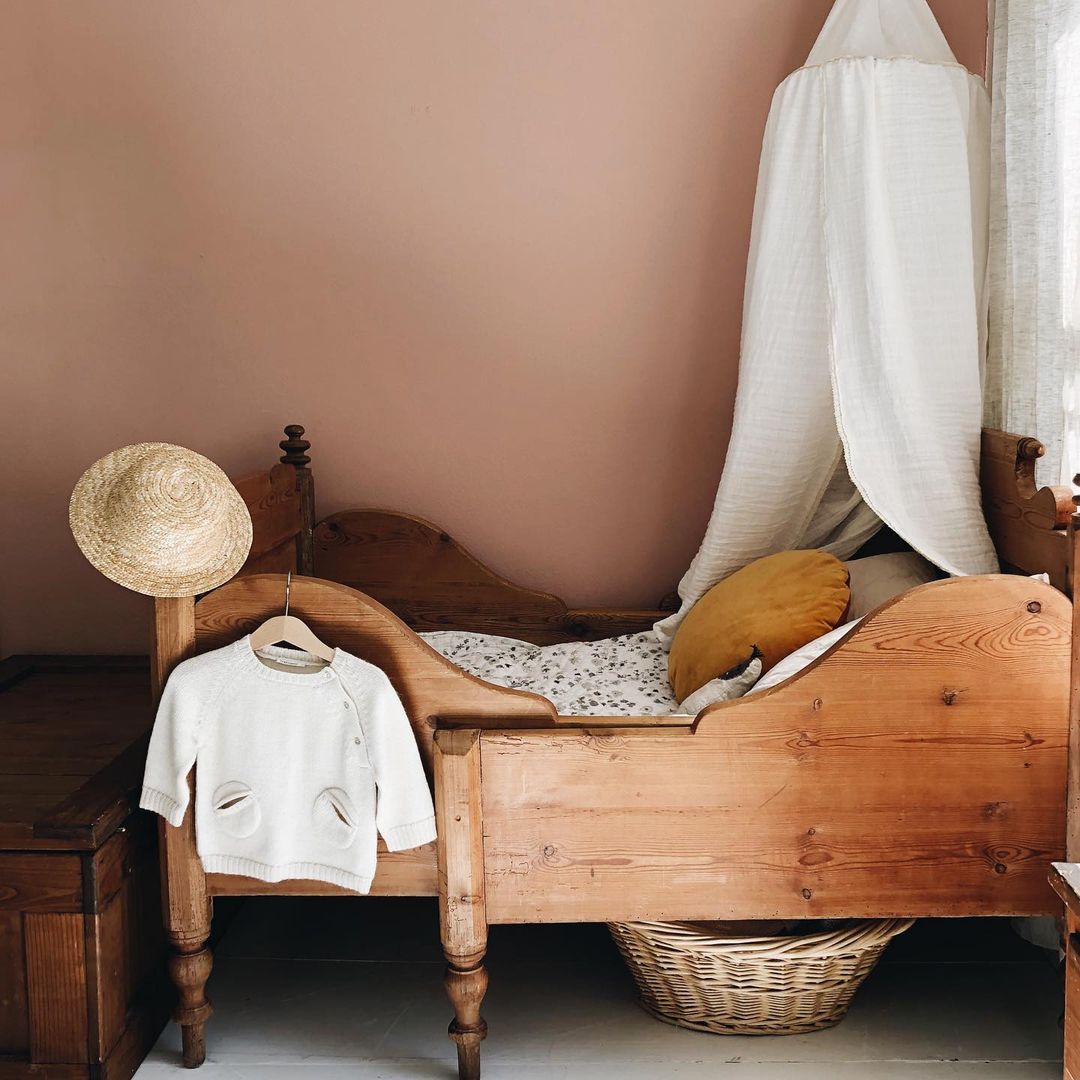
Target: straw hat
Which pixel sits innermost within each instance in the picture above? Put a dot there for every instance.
(160, 520)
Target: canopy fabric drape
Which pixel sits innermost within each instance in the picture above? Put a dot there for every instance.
(1033, 370)
(860, 378)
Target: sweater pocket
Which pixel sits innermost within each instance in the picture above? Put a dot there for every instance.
(236, 809)
(335, 816)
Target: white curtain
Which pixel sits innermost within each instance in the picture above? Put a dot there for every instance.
(860, 377)
(1033, 369)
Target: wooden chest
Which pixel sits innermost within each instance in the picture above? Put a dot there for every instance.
(83, 992)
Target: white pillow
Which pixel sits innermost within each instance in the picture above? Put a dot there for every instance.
(793, 664)
(722, 689)
(881, 577)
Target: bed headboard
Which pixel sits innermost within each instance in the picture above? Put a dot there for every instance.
(431, 582)
(1030, 526)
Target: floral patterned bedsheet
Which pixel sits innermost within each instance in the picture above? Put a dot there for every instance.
(622, 676)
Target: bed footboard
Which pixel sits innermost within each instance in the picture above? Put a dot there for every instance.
(919, 768)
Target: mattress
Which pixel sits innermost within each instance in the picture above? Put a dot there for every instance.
(622, 676)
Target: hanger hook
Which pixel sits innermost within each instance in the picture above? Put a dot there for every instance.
(288, 589)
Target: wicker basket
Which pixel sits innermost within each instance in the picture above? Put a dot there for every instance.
(776, 985)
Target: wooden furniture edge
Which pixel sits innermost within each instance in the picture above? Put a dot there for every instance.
(122, 778)
(1027, 524)
(17, 666)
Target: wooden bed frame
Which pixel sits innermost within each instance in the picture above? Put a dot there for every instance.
(919, 768)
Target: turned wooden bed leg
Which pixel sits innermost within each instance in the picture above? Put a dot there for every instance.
(189, 971)
(468, 1029)
(187, 912)
(185, 903)
(462, 904)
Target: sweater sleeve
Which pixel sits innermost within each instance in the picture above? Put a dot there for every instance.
(172, 752)
(404, 812)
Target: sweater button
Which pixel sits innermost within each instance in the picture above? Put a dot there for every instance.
(357, 741)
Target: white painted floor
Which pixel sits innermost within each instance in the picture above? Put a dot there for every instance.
(331, 989)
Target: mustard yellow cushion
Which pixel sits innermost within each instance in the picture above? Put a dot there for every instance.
(779, 604)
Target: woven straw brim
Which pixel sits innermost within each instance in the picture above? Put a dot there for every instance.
(160, 520)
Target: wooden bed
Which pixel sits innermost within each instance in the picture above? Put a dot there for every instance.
(919, 768)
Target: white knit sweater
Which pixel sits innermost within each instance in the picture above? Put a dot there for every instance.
(296, 768)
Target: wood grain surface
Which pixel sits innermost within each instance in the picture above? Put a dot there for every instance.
(66, 774)
(56, 985)
(40, 882)
(917, 769)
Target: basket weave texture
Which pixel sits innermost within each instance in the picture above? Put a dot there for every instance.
(785, 985)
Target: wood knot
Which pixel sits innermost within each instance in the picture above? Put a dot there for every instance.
(816, 704)
(578, 629)
(811, 832)
(1034, 607)
(806, 894)
(1000, 868)
(950, 696)
(549, 851)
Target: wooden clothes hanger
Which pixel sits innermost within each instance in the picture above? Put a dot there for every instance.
(291, 630)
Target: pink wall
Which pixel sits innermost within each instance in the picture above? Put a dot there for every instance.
(491, 254)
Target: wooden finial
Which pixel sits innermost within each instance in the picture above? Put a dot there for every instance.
(295, 446)
(1029, 449)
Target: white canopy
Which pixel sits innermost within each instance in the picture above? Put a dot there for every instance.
(860, 396)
